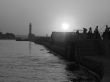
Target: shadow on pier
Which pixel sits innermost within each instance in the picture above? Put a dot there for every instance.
(82, 74)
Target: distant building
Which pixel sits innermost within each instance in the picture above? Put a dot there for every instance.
(61, 37)
(30, 32)
(7, 36)
(66, 37)
(31, 36)
(21, 38)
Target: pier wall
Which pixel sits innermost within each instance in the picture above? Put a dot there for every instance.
(77, 49)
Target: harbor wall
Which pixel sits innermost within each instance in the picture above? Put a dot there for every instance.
(76, 49)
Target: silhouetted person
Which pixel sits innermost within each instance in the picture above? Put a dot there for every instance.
(97, 42)
(90, 34)
(96, 33)
(109, 33)
(106, 33)
(77, 32)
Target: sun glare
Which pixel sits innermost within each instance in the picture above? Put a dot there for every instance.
(65, 26)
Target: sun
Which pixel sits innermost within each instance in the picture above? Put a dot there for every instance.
(65, 26)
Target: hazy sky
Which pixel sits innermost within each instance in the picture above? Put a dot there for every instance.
(48, 15)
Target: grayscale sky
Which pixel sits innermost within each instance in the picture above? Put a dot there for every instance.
(48, 15)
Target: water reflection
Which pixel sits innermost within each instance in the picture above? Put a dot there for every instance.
(30, 47)
(17, 65)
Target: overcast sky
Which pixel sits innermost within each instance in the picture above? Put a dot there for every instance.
(48, 15)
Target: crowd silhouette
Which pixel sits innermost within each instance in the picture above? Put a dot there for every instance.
(96, 34)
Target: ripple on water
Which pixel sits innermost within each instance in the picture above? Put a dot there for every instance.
(18, 65)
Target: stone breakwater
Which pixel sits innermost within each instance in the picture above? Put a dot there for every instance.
(79, 55)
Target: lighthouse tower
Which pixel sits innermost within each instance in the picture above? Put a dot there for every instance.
(30, 32)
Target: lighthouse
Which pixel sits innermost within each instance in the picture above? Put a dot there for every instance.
(30, 32)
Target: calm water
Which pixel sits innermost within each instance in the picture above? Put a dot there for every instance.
(29, 62)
